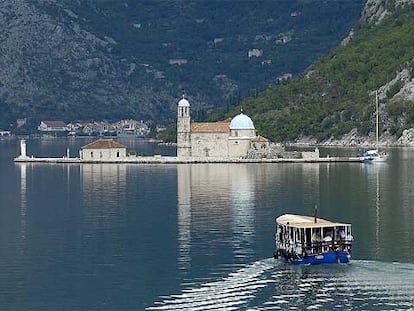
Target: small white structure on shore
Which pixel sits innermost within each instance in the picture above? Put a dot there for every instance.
(103, 149)
(23, 149)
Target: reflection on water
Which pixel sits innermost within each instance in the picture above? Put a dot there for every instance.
(378, 210)
(389, 195)
(242, 208)
(212, 200)
(23, 200)
(311, 183)
(270, 285)
(192, 237)
(184, 215)
(102, 182)
(103, 190)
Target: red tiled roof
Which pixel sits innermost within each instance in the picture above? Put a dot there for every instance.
(260, 139)
(54, 123)
(104, 144)
(210, 127)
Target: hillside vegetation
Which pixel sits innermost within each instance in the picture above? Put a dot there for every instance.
(95, 59)
(337, 93)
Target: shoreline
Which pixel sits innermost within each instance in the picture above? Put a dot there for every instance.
(175, 160)
(306, 143)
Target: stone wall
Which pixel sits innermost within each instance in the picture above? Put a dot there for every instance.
(238, 147)
(310, 154)
(209, 144)
(265, 151)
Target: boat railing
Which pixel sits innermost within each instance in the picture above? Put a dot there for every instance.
(326, 246)
(316, 247)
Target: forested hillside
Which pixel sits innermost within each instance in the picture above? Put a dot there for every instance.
(336, 95)
(94, 59)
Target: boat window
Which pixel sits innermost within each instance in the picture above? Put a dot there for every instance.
(307, 235)
(328, 234)
(280, 233)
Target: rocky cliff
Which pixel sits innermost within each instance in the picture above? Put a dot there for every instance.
(77, 59)
(51, 67)
(376, 10)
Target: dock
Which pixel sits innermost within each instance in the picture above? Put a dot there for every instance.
(187, 160)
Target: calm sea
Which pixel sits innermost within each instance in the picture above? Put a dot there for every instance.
(197, 237)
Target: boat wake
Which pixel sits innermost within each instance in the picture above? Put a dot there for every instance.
(269, 285)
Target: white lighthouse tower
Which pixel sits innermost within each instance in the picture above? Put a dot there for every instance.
(23, 148)
(183, 129)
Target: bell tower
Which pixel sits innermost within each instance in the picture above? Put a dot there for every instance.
(183, 128)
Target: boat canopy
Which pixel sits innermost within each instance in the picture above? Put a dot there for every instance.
(298, 221)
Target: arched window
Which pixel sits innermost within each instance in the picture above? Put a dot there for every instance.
(117, 154)
(91, 154)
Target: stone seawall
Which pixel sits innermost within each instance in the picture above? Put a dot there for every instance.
(175, 160)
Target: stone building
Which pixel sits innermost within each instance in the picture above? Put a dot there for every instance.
(103, 149)
(232, 138)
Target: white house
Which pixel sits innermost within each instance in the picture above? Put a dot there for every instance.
(52, 126)
(103, 149)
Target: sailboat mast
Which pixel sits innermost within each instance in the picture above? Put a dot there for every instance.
(377, 117)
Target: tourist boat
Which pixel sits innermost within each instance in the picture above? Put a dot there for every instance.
(311, 240)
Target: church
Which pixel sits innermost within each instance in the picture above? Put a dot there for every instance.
(228, 139)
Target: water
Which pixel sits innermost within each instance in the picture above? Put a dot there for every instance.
(197, 237)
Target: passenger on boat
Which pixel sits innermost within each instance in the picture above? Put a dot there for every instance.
(328, 237)
(315, 237)
(316, 241)
(342, 235)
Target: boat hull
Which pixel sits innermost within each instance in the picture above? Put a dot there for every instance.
(317, 259)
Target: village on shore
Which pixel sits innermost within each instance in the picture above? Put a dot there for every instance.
(130, 128)
(58, 128)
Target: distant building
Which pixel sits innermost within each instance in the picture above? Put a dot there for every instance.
(103, 149)
(5, 133)
(52, 127)
(131, 128)
(284, 77)
(228, 138)
(260, 142)
(20, 122)
(160, 128)
(263, 37)
(178, 61)
(284, 38)
(255, 53)
(218, 40)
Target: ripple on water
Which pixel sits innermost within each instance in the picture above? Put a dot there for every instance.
(269, 285)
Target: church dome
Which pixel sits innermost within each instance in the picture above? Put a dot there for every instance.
(241, 122)
(183, 103)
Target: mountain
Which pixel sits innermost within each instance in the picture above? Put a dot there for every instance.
(333, 101)
(107, 59)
